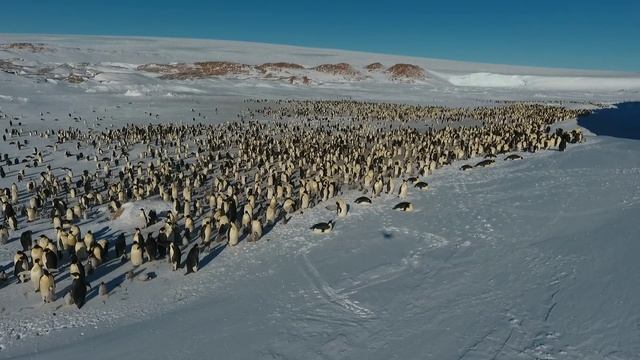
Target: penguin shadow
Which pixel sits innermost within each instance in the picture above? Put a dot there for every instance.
(102, 234)
(163, 215)
(211, 255)
(105, 269)
(113, 284)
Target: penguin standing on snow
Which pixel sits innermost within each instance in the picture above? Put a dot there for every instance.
(342, 208)
(26, 240)
(233, 234)
(50, 259)
(36, 273)
(403, 189)
(21, 265)
(136, 255)
(47, 286)
(151, 248)
(78, 290)
(193, 259)
(121, 245)
(174, 255)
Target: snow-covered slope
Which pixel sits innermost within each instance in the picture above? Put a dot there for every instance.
(100, 64)
(530, 259)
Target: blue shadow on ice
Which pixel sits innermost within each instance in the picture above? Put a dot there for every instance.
(622, 121)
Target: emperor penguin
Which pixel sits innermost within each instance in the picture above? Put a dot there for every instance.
(205, 233)
(342, 208)
(50, 259)
(88, 239)
(271, 214)
(20, 265)
(26, 240)
(174, 255)
(36, 252)
(233, 234)
(32, 214)
(137, 237)
(188, 223)
(322, 227)
(421, 185)
(36, 273)
(121, 245)
(403, 189)
(13, 222)
(403, 206)
(377, 187)
(136, 255)
(288, 205)
(246, 220)
(81, 251)
(193, 259)
(104, 245)
(363, 200)
(78, 290)
(151, 248)
(76, 267)
(256, 230)
(47, 286)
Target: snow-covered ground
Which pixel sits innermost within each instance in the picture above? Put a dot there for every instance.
(529, 259)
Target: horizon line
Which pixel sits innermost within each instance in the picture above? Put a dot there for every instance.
(171, 37)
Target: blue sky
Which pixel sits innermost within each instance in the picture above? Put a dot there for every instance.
(573, 34)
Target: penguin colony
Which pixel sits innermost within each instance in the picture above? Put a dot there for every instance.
(233, 181)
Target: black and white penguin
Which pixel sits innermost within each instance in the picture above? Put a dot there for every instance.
(78, 290)
(26, 240)
(421, 185)
(151, 248)
(193, 259)
(403, 189)
(121, 245)
(363, 200)
(466, 167)
(50, 259)
(256, 230)
(36, 273)
(20, 266)
(174, 256)
(233, 234)
(136, 255)
(485, 163)
(76, 267)
(322, 227)
(342, 208)
(513, 157)
(47, 286)
(403, 206)
(205, 233)
(563, 144)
